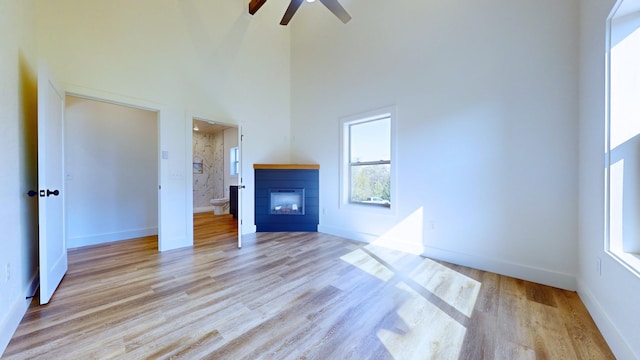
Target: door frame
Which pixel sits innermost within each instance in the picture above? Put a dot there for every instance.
(190, 117)
(121, 100)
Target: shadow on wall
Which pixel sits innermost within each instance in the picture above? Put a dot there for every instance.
(28, 172)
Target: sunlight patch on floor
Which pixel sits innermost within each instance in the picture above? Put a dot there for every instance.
(366, 263)
(419, 336)
(396, 258)
(455, 289)
(418, 331)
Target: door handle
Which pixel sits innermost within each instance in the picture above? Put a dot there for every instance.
(49, 193)
(32, 193)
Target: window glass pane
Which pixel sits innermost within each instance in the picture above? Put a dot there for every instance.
(370, 141)
(234, 160)
(371, 184)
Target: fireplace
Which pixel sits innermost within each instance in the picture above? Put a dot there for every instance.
(286, 202)
(286, 197)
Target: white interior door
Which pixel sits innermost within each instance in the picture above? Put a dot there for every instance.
(53, 246)
(240, 185)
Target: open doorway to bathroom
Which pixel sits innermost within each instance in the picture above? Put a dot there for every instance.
(216, 168)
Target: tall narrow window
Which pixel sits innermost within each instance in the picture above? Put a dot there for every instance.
(623, 140)
(368, 160)
(234, 160)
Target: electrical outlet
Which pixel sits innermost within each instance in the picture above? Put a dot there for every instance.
(599, 266)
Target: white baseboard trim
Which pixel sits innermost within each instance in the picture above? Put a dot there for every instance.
(175, 243)
(110, 237)
(502, 267)
(202, 209)
(16, 312)
(351, 235)
(621, 349)
(507, 268)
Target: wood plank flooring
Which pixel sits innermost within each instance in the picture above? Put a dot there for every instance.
(295, 296)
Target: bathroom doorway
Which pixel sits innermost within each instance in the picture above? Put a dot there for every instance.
(216, 178)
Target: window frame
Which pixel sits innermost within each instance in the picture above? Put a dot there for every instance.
(234, 161)
(629, 260)
(346, 165)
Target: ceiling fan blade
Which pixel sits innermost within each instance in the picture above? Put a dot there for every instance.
(255, 5)
(291, 10)
(337, 9)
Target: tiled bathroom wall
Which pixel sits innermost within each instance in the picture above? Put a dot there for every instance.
(208, 149)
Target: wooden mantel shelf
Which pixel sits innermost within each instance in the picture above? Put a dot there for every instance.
(287, 166)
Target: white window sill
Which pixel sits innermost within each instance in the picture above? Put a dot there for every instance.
(628, 260)
(369, 208)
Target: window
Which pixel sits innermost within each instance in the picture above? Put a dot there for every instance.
(367, 159)
(234, 160)
(623, 136)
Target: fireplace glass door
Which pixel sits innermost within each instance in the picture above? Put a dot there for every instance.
(286, 202)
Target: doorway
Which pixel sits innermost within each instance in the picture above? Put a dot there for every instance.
(215, 178)
(111, 171)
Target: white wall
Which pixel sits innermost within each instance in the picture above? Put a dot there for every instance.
(111, 171)
(612, 295)
(18, 146)
(191, 56)
(486, 94)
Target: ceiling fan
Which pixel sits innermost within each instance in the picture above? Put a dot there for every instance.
(333, 6)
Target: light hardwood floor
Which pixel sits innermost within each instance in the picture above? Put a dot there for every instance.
(295, 296)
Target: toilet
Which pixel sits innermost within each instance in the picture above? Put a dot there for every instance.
(219, 205)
